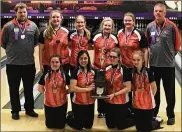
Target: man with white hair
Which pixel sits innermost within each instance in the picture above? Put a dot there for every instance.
(164, 43)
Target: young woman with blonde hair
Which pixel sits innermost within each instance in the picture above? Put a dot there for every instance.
(54, 40)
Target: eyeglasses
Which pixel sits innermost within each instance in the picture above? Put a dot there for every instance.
(54, 62)
(114, 57)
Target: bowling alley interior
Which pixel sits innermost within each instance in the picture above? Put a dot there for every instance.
(94, 12)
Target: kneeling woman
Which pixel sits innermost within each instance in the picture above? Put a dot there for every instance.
(81, 84)
(53, 85)
(118, 85)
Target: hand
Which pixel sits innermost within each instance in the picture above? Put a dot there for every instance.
(41, 68)
(41, 90)
(91, 87)
(111, 96)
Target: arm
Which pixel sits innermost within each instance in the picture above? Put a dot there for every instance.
(75, 88)
(36, 36)
(127, 88)
(154, 87)
(146, 56)
(4, 37)
(41, 56)
(40, 88)
(177, 38)
(90, 46)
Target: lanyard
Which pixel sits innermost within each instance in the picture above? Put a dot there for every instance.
(21, 29)
(112, 75)
(86, 78)
(80, 38)
(141, 81)
(54, 81)
(160, 30)
(127, 38)
(106, 42)
(55, 32)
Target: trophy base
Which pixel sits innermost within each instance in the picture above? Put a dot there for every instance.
(99, 97)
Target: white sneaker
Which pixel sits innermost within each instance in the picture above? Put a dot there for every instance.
(159, 119)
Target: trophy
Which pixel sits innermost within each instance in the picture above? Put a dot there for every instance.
(100, 91)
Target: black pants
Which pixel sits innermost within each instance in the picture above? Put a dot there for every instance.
(83, 117)
(14, 74)
(143, 119)
(71, 94)
(167, 74)
(116, 115)
(130, 106)
(55, 117)
(101, 106)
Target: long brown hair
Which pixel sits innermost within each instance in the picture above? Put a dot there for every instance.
(49, 30)
(85, 29)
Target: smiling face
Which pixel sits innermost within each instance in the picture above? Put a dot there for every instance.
(21, 14)
(159, 13)
(55, 63)
(80, 23)
(107, 27)
(83, 60)
(114, 58)
(56, 19)
(129, 22)
(137, 60)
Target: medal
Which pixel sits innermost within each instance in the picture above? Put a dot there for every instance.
(54, 91)
(22, 36)
(16, 30)
(139, 90)
(125, 47)
(127, 38)
(157, 39)
(57, 41)
(55, 33)
(55, 84)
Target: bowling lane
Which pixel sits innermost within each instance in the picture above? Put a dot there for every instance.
(4, 83)
(2, 52)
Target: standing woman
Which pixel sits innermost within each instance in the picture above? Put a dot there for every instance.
(54, 40)
(79, 39)
(144, 90)
(103, 42)
(81, 84)
(118, 85)
(53, 85)
(131, 39)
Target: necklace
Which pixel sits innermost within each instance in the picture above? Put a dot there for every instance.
(55, 84)
(127, 37)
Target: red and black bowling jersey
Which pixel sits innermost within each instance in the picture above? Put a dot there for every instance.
(83, 80)
(101, 44)
(135, 41)
(115, 78)
(77, 43)
(143, 97)
(51, 47)
(55, 83)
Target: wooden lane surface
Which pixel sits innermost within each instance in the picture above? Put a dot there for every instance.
(32, 124)
(2, 52)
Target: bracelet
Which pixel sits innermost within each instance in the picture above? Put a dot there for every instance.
(114, 94)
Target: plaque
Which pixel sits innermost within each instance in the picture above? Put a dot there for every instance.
(100, 91)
